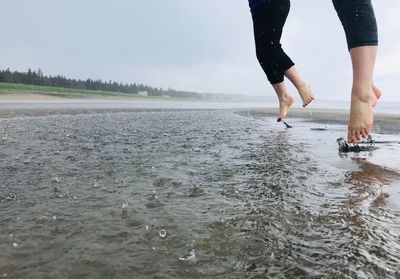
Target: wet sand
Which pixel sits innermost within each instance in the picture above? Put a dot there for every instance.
(14, 105)
(383, 122)
(149, 190)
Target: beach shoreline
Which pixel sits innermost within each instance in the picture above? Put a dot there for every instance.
(34, 105)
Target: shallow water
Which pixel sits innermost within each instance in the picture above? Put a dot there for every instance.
(193, 194)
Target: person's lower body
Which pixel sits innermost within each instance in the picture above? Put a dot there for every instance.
(268, 22)
(359, 23)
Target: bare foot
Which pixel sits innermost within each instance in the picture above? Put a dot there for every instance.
(376, 96)
(361, 118)
(306, 94)
(284, 104)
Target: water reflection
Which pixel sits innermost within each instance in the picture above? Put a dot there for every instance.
(369, 181)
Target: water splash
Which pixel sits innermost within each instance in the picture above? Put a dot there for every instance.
(162, 233)
(11, 197)
(155, 195)
(191, 256)
(55, 179)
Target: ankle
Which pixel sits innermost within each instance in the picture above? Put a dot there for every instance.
(301, 86)
(362, 94)
(284, 97)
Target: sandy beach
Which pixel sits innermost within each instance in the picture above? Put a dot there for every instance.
(14, 105)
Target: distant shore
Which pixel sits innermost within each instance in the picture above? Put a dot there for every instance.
(21, 92)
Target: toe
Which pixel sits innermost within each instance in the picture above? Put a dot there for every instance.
(363, 134)
(306, 103)
(354, 135)
(350, 136)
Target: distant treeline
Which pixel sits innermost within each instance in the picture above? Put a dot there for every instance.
(37, 77)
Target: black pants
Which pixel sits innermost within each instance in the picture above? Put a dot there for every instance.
(359, 22)
(268, 22)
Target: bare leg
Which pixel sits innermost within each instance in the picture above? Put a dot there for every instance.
(302, 87)
(285, 99)
(362, 94)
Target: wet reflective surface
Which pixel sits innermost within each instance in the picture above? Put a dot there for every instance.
(183, 194)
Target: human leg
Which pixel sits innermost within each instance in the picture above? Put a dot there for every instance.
(362, 94)
(302, 87)
(359, 23)
(268, 24)
(285, 99)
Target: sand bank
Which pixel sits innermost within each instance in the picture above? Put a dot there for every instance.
(383, 122)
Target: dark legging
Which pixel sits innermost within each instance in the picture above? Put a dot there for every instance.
(358, 20)
(268, 21)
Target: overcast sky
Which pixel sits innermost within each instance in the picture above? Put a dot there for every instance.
(203, 46)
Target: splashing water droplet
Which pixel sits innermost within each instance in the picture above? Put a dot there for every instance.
(147, 227)
(163, 233)
(188, 257)
(54, 217)
(55, 179)
(11, 197)
(155, 195)
(125, 208)
(15, 244)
